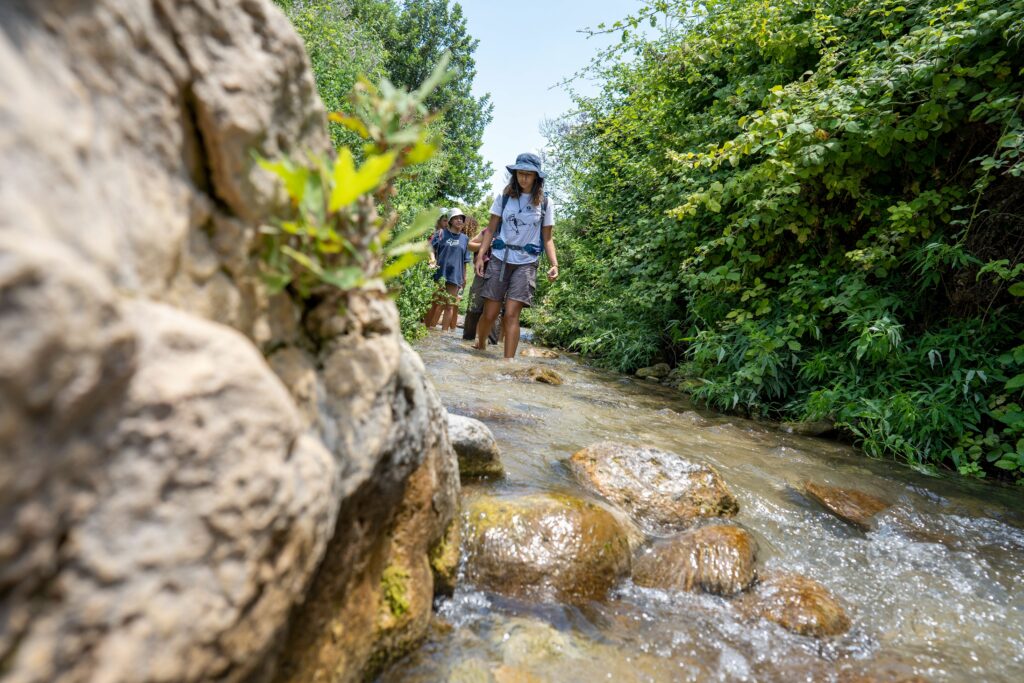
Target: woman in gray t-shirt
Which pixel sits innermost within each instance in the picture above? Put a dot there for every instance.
(522, 221)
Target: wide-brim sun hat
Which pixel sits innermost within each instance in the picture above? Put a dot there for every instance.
(527, 162)
(455, 212)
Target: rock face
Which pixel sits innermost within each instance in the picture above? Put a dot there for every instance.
(166, 494)
(856, 507)
(543, 546)
(536, 373)
(475, 445)
(798, 604)
(657, 487)
(718, 559)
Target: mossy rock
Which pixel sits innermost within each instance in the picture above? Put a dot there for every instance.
(798, 604)
(657, 371)
(543, 546)
(656, 487)
(717, 559)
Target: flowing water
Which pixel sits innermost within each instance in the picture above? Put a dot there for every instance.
(936, 590)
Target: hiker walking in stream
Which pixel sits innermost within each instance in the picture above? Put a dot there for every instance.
(453, 257)
(520, 229)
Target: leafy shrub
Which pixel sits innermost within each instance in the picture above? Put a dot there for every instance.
(816, 208)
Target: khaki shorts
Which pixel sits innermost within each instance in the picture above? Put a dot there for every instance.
(519, 283)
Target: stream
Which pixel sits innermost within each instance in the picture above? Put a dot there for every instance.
(935, 591)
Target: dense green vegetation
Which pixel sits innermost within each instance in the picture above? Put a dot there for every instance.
(403, 42)
(812, 209)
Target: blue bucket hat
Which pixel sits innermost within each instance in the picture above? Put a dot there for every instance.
(527, 162)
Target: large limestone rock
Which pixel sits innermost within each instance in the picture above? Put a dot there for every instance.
(718, 559)
(476, 447)
(173, 507)
(798, 604)
(544, 546)
(657, 487)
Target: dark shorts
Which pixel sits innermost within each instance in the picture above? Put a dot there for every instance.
(519, 283)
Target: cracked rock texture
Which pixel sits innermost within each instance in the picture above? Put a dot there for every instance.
(200, 481)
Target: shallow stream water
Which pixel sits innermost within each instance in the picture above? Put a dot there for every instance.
(936, 590)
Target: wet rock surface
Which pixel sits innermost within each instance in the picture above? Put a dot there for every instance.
(538, 352)
(850, 505)
(657, 371)
(813, 428)
(476, 447)
(798, 604)
(654, 486)
(543, 546)
(718, 559)
(538, 373)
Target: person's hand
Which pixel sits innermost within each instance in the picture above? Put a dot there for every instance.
(552, 273)
(478, 267)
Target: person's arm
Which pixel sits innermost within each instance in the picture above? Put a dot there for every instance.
(485, 243)
(549, 248)
(474, 244)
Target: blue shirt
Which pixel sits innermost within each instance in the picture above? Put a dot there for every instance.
(452, 252)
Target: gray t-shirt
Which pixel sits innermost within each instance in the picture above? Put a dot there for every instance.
(520, 226)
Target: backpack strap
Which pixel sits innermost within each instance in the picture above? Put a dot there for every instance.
(501, 216)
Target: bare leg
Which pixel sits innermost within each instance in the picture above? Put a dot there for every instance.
(511, 324)
(451, 290)
(437, 308)
(487, 318)
(453, 316)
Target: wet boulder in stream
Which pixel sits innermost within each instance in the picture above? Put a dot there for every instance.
(543, 546)
(718, 559)
(537, 373)
(798, 604)
(538, 352)
(476, 447)
(656, 487)
(850, 505)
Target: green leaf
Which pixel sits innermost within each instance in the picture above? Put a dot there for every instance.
(1006, 464)
(350, 184)
(1015, 382)
(400, 265)
(1017, 289)
(294, 178)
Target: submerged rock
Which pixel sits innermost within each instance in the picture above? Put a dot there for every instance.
(543, 546)
(798, 604)
(538, 352)
(653, 485)
(476, 447)
(657, 371)
(850, 505)
(536, 373)
(718, 559)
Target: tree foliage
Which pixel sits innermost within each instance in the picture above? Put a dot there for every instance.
(813, 208)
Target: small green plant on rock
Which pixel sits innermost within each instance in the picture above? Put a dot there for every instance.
(340, 229)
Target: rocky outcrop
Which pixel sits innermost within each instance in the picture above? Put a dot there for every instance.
(183, 450)
(798, 604)
(658, 488)
(476, 447)
(850, 505)
(543, 546)
(717, 559)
